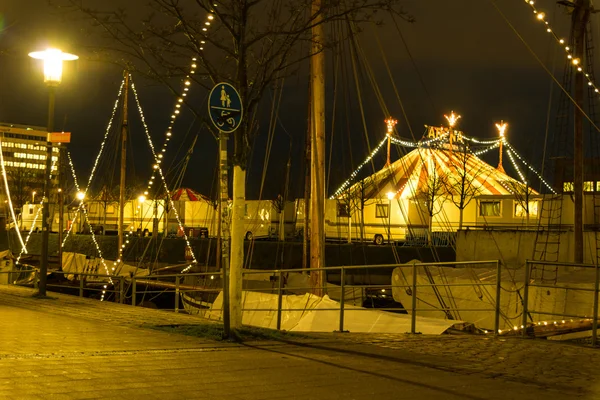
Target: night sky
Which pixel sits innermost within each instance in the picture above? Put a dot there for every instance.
(469, 59)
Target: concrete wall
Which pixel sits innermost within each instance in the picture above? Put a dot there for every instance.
(514, 247)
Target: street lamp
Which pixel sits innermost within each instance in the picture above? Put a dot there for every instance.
(53, 60)
(80, 196)
(33, 197)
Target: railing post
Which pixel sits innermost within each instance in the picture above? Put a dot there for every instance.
(342, 298)
(121, 289)
(595, 320)
(525, 298)
(177, 294)
(80, 286)
(279, 299)
(498, 289)
(413, 316)
(133, 291)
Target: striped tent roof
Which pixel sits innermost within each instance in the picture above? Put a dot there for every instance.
(187, 194)
(424, 168)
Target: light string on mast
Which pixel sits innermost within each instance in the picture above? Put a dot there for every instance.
(187, 82)
(574, 62)
(35, 218)
(513, 151)
(104, 140)
(10, 205)
(348, 181)
(158, 168)
(82, 207)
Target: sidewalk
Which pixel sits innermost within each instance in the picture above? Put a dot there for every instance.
(73, 348)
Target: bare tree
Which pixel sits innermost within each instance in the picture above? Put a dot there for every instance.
(22, 182)
(432, 194)
(251, 43)
(461, 183)
(523, 192)
(107, 197)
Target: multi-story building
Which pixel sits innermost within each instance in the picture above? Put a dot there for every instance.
(23, 151)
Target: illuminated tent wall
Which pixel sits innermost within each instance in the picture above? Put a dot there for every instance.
(434, 174)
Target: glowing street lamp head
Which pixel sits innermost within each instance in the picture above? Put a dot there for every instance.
(390, 195)
(501, 128)
(142, 198)
(80, 196)
(452, 119)
(53, 60)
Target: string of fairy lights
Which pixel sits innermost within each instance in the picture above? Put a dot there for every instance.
(10, 205)
(97, 160)
(488, 146)
(158, 169)
(574, 61)
(35, 218)
(93, 235)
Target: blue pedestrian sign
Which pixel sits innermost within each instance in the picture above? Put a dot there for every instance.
(225, 107)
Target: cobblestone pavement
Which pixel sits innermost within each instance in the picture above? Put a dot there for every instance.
(73, 348)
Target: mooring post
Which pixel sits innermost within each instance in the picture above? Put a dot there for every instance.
(279, 299)
(413, 317)
(177, 294)
(342, 284)
(525, 298)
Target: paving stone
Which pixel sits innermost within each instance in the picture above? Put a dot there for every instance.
(76, 348)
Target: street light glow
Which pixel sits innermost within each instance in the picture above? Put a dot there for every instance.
(80, 196)
(53, 60)
(390, 195)
(142, 198)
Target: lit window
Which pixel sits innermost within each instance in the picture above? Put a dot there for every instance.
(382, 210)
(568, 186)
(343, 210)
(588, 186)
(489, 208)
(521, 212)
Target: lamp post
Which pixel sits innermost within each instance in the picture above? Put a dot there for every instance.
(53, 60)
(80, 196)
(33, 197)
(141, 200)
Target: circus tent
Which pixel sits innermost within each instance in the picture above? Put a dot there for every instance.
(187, 194)
(418, 170)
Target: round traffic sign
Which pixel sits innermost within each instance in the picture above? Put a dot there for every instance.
(225, 107)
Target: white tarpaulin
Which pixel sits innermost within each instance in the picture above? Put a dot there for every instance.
(310, 313)
(75, 263)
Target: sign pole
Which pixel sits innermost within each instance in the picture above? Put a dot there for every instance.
(225, 110)
(224, 209)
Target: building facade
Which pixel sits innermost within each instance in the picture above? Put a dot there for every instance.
(24, 160)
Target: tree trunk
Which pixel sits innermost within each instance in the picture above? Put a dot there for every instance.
(237, 246)
(429, 231)
(460, 219)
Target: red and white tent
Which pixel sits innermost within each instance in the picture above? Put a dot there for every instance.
(187, 194)
(414, 173)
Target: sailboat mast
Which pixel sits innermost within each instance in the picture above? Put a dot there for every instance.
(124, 129)
(317, 220)
(580, 18)
(307, 182)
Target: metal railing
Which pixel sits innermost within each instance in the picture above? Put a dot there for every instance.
(174, 285)
(527, 312)
(413, 287)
